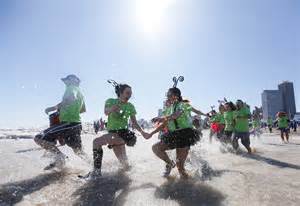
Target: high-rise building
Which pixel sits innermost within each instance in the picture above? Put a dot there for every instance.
(282, 99)
(271, 103)
(288, 98)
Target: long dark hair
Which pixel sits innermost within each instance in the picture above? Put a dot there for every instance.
(231, 105)
(120, 88)
(176, 92)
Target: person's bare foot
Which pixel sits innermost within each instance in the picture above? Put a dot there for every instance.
(125, 167)
(184, 175)
(249, 150)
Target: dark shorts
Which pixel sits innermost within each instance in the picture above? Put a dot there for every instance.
(284, 130)
(70, 133)
(244, 136)
(228, 134)
(181, 138)
(127, 135)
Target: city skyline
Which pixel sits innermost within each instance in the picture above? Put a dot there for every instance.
(281, 99)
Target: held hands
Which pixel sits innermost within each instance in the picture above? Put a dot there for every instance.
(146, 135)
(158, 120)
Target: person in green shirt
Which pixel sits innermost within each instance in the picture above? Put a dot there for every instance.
(221, 121)
(214, 124)
(270, 124)
(119, 111)
(241, 126)
(68, 130)
(229, 121)
(256, 127)
(283, 125)
(163, 128)
(180, 136)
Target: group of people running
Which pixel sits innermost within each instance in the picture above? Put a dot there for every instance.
(231, 123)
(175, 128)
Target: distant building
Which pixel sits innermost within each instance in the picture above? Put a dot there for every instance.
(282, 99)
(271, 103)
(288, 97)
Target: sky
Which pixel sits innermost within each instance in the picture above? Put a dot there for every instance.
(223, 48)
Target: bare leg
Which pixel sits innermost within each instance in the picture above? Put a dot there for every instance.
(182, 154)
(120, 153)
(287, 136)
(98, 151)
(159, 150)
(282, 136)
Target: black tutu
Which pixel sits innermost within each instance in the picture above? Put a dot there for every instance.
(127, 135)
(181, 138)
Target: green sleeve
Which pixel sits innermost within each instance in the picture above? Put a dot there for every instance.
(132, 110)
(109, 103)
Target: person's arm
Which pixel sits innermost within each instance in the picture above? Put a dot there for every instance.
(135, 124)
(175, 115)
(110, 109)
(158, 129)
(198, 112)
(138, 128)
(54, 108)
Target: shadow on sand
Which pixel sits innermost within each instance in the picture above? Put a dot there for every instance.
(189, 193)
(12, 193)
(293, 144)
(109, 190)
(208, 173)
(273, 144)
(271, 161)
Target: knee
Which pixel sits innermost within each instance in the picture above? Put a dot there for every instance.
(37, 139)
(97, 143)
(155, 148)
(246, 143)
(78, 151)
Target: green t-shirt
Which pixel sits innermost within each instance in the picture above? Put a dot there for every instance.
(71, 113)
(270, 121)
(283, 122)
(241, 118)
(184, 120)
(229, 123)
(119, 120)
(214, 118)
(256, 123)
(220, 118)
(166, 111)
